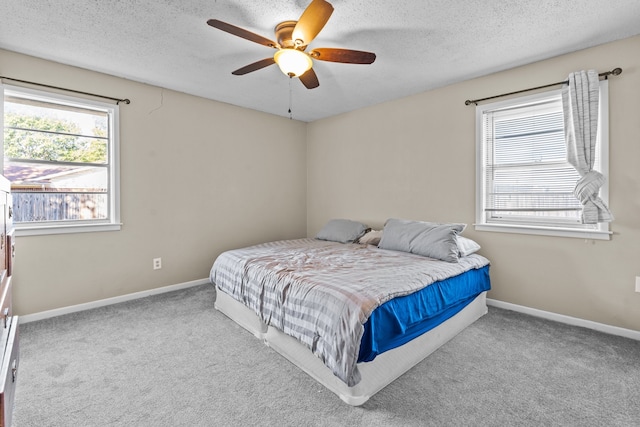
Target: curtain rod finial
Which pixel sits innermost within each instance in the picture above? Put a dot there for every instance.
(616, 71)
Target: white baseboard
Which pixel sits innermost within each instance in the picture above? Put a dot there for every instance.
(108, 301)
(601, 327)
(574, 321)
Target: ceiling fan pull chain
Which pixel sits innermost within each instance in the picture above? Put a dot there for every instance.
(290, 99)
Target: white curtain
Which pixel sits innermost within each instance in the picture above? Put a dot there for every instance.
(580, 101)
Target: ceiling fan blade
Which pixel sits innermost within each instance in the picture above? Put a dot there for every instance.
(310, 79)
(240, 32)
(254, 67)
(312, 20)
(347, 56)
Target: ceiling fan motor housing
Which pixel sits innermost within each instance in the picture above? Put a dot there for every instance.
(283, 34)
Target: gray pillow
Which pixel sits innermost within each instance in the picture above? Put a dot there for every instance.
(429, 239)
(342, 230)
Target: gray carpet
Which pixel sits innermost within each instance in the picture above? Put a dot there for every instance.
(173, 360)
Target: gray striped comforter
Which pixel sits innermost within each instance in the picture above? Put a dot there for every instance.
(322, 293)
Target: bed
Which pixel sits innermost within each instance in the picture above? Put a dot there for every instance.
(354, 315)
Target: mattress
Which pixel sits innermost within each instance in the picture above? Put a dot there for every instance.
(402, 319)
(324, 294)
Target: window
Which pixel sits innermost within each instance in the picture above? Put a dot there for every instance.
(524, 182)
(60, 154)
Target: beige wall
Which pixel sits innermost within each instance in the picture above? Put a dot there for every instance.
(415, 158)
(197, 177)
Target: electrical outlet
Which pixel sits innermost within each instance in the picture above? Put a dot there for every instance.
(637, 283)
(157, 263)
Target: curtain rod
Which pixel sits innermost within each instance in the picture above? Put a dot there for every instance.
(118, 100)
(615, 72)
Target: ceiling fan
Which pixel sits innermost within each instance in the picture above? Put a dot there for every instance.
(293, 37)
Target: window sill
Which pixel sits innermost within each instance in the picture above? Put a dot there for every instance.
(545, 231)
(31, 230)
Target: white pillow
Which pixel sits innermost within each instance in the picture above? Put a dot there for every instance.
(467, 246)
(371, 238)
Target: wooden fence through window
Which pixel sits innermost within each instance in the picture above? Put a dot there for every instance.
(55, 206)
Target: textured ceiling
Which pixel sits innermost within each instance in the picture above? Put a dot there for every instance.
(420, 44)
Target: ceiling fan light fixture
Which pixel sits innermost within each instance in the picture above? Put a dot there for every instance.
(292, 62)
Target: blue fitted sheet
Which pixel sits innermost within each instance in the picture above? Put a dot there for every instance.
(402, 319)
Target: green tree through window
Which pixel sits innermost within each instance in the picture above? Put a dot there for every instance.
(41, 138)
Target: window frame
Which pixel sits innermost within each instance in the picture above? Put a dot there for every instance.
(112, 222)
(598, 231)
